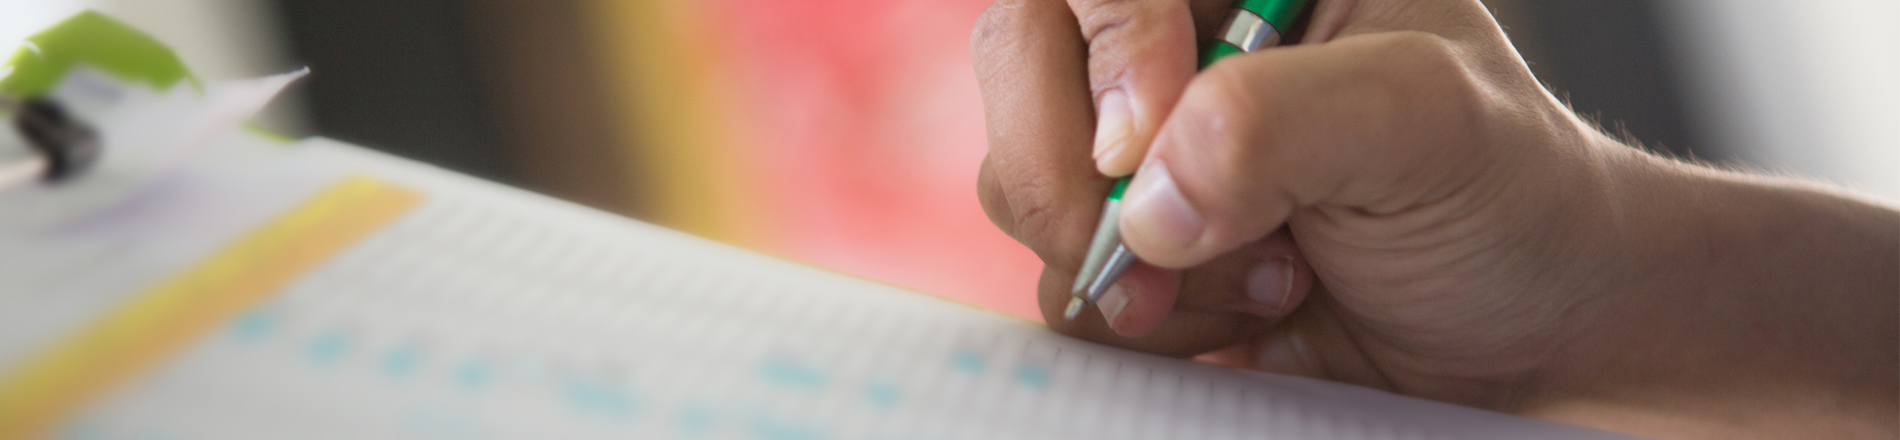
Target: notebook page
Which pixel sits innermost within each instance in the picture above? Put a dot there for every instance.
(53, 280)
(487, 312)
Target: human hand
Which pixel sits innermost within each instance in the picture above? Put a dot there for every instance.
(1395, 202)
(1385, 141)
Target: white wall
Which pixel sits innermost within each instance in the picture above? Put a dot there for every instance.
(1804, 88)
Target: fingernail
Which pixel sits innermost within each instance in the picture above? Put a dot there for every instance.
(1112, 303)
(1156, 212)
(1113, 123)
(1271, 283)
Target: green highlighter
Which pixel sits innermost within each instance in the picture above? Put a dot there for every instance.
(1252, 25)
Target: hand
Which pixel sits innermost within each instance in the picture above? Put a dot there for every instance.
(1397, 203)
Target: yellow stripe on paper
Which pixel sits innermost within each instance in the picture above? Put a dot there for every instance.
(167, 317)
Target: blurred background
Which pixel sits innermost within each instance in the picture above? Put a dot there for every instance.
(846, 133)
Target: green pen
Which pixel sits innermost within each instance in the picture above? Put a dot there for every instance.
(1251, 25)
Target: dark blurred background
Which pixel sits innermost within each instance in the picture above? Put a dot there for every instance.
(438, 80)
(846, 133)
(502, 89)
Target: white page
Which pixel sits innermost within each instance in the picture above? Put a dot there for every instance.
(488, 312)
(148, 207)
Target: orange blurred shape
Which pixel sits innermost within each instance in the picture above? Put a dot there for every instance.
(840, 133)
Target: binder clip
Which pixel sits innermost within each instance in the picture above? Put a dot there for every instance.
(58, 145)
(98, 111)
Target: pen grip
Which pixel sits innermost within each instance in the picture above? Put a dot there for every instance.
(1252, 25)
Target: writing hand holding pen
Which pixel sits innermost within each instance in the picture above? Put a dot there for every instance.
(1396, 202)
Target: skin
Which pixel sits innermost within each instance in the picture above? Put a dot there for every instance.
(1395, 202)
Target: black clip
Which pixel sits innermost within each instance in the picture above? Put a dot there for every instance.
(70, 145)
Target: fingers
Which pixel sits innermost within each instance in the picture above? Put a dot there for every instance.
(1266, 279)
(1180, 333)
(1035, 184)
(1231, 299)
(1374, 123)
(1140, 57)
(1270, 281)
(1142, 287)
(1313, 342)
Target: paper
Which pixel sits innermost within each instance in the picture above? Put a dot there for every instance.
(485, 312)
(146, 134)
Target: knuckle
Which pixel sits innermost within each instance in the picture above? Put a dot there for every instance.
(1220, 112)
(1100, 17)
(1129, 39)
(1215, 130)
(1431, 84)
(995, 25)
(997, 41)
(989, 193)
(1033, 211)
(1117, 30)
(1025, 206)
(1431, 67)
(1224, 91)
(1421, 79)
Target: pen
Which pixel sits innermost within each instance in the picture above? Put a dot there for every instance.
(1251, 25)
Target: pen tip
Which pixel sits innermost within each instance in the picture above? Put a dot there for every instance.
(1074, 309)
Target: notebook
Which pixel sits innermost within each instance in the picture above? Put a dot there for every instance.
(321, 290)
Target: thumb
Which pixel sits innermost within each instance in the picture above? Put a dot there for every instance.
(1374, 123)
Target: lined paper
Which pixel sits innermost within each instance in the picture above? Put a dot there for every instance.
(486, 312)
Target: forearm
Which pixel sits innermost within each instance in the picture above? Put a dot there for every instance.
(1758, 306)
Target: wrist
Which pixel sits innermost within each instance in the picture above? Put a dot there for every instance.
(1743, 304)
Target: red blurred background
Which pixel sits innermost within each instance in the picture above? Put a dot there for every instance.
(866, 129)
